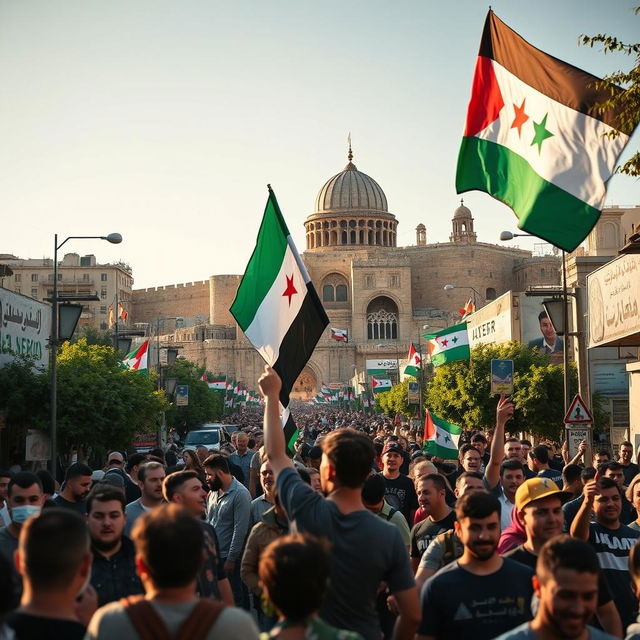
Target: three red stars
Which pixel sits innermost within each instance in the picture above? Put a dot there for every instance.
(290, 290)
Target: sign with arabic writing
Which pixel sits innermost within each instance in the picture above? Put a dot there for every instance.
(614, 300)
(25, 326)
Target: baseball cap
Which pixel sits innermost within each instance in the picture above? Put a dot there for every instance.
(538, 488)
(393, 447)
(115, 456)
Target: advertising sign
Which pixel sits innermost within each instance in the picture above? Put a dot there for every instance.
(182, 395)
(493, 324)
(610, 378)
(536, 328)
(381, 366)
(25, 326)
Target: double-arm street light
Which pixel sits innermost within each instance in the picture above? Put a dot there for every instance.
(64, 319)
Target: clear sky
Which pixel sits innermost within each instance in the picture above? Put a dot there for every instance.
(165, 120)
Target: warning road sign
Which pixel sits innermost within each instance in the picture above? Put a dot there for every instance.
(578, 412)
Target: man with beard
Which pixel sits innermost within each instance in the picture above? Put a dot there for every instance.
(77, 483)
(431, 497)
(113, 574)
(150, 478)
(265, 501)
(185, 488)
(228, 510)
(399, 490)
(615, 471)
(481, 595)
(611, 540)
(630, 468)
(566, 584)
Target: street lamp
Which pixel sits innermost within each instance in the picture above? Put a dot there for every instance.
(62, 318)
(451, 287)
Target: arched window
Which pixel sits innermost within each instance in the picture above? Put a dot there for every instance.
(344, 237)
(341, 293)
(382, 319)
(328, 293)
(335, 288)
(490, 293)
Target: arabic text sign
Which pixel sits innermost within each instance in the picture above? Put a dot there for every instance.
(383, 365)
(614, 300)
(24, 328)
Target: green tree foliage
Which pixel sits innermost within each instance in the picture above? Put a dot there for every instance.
(204, 405)
(395, 400)
(460, 392)
(100, 403)
(93, 336)
(627, 101)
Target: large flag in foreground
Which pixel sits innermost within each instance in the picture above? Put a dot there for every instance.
(277, 306)
(138, 358)
(534, 140)
(440, 437)
(449, 345)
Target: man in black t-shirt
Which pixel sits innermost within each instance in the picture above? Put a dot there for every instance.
(77, 483)
(626, 455)
(399, 490)
(431, 497)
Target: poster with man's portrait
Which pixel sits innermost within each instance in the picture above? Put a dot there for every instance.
(536, 328)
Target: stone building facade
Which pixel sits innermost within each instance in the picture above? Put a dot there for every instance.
(382, 294)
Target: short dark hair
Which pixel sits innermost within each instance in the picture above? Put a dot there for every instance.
(5, 473)
(164, 534)
(540, 453)
(135, 459)
(438, 481)
(465, 448)
(294, 570)
(373, 489)
(52, 546)
(351, 454)
(602, 452)
(477, 504)
(511, 464)
(565, 552)
(77, 470)
(612, 465)
(468, 474)
(588, 473)
(526, 442)
(175, 480)
(152, 465)
(217, 461)
(105, 493)
(626, 443)
(47, 481)
(542, 316)
(478, 437)
(571, 473)
(24, 480)
(607, 483)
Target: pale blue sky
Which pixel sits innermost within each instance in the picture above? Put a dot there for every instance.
(165, 120)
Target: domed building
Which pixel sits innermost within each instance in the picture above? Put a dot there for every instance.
(381, 294)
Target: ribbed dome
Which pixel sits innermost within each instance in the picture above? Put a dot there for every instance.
(351, 190)
(462, 211)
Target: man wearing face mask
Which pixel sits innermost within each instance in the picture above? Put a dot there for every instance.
(24, 499)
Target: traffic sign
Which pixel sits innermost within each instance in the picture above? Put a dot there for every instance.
(578, 412)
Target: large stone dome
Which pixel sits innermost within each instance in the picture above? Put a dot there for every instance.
(351, 189)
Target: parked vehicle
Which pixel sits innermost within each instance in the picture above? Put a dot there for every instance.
(210, 435)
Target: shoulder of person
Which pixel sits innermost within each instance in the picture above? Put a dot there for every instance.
(234, 624)
(449, 573)
(516, 567)
(113, 612)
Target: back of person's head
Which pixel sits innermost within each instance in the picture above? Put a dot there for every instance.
(566, 552)
(169, 541)
(612, 465)
(134, 460)
(477, 504)
(52, 547)
(571, 473)
(103, 492)
(147, 468)
(588, 473)
(511, 464)
(24, 480)
(77, 470)
(47, 481)
(351, 455)
(174, 481)
(157, 453)
(217, 462)
(373, 489)
(294, 570)
(540, 453)
(466, 475)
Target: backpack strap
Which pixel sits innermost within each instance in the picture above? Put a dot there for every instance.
(144, 618)
(391, 513)
(203, 616)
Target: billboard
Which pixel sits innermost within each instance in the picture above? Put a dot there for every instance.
(536, 329)
(25, 325)
(494, 323)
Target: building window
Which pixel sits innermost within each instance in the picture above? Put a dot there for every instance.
(341, 293)
(328, 293)
(382, 319)
(18, 277)
(103, 293)
(394, 281)
(85, 277)
(103, 277)
(59, 276)
(34, 292)
(334, 288)
(370, 282)
(17, 290)
(103, 311)
(34, 277)
(490, 293)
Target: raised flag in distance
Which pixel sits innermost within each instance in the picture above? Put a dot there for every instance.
(448, 345)
(534, 140)
(341, 335)
(218, 383)
(378, 385)
(468, 308)
(137, 359)
(440, 437)
(277, 306)
(122, 312)
(414, 362)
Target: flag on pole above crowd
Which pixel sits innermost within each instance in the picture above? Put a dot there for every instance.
(414, 362)
(138, 358)
(217, 383)
(468, 308)
(378, 385)
(534, 140)
(278, 308)
(440, 437)
(448, 345)
(341, 335)
(122, 312)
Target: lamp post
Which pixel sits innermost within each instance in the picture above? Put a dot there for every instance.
(451, 287)
(56, 334)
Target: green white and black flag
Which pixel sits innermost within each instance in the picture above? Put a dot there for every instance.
(277, 306)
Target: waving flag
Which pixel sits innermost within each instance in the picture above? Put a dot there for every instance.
(341, 335)
(138, 358)
(380, 384)
(277, 306)
(440, 437)
(449, 345)
(414, 362)
(534, 140)
(468, 308)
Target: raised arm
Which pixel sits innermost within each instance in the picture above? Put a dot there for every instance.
(580, 524)
(504, 412)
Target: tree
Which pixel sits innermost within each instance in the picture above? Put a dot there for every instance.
(460, 391)
(395, 400)
(100, 403)
(625, 102)
(93, 336)
(204, 405)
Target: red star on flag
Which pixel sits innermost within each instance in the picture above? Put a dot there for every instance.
(290, 290)
(444, 343)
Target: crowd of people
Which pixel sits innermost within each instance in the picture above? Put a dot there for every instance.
(359, 534)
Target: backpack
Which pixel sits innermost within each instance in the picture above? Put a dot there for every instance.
(150, 626)
(391, 513)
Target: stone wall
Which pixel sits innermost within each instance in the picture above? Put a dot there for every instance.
(173, 300)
